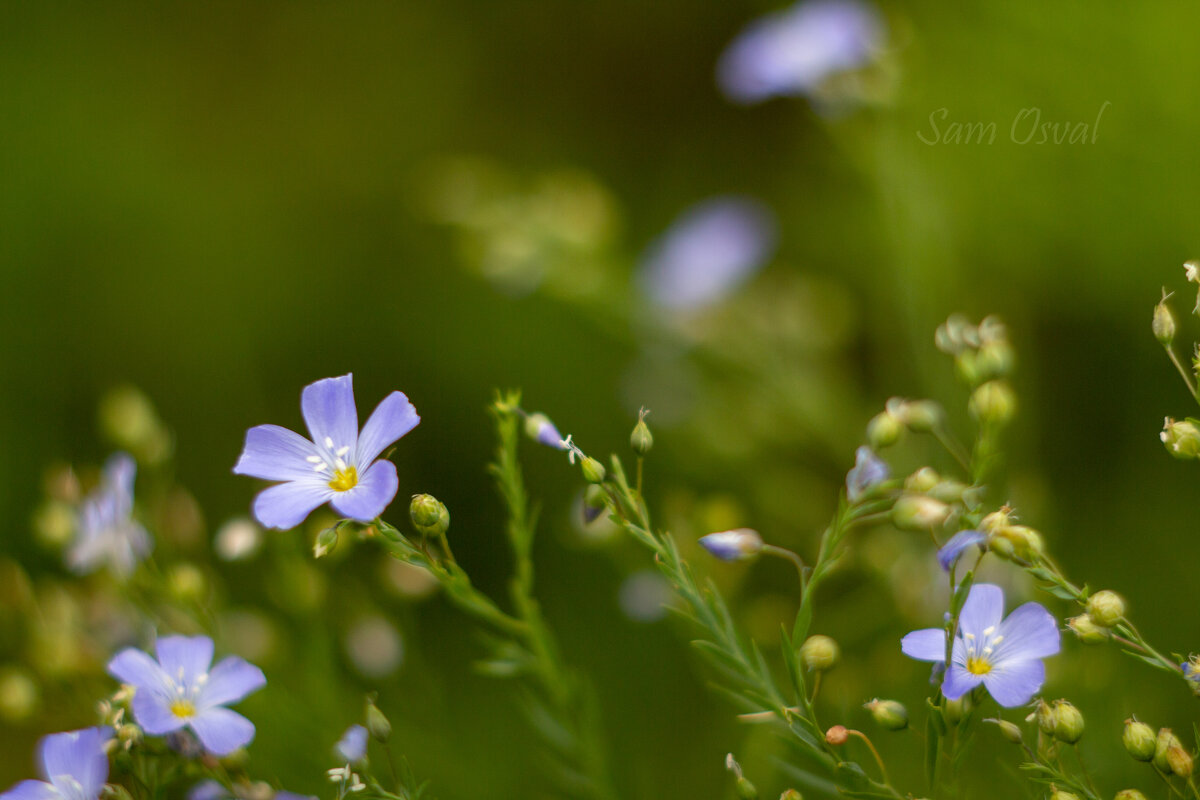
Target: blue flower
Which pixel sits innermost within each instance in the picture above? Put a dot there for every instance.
(740, 544)
(707, 252)
(793, 51)
(107, 532)
(868, 471)
(181, 690)
(212, 790)
(352, 747)
(955, 546)
(73, 764)
(1005, 656)
(338, 466)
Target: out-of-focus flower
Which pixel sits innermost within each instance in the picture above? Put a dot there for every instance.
(238, 539)
(338, 466)
(180, 689)
(107, 533)
(644, 596)
(954, 548)
(19, 695)
(708, 252)
(868, 471)
(212, 790)
(352, 747)
(73, 764)
(375, 647)
(539, 428)
(794, 51)
(741, 544)
(1003, 655)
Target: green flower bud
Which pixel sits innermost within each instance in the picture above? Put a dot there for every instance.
(1139, 740)
(791, 794)
(1026, 543)
(1191, 269)
(889, 714)
(956, 710)
(641, 440)
(920, 416)
(819, 653)
(1068, 722)
(918, 512)
(1180, 761)
(993, 403)
(922, 481)
(1008, 730)
(1059, 794)
(1129, 794)
(377, 724)
(1182, 439)
(1087, 631)
(1105, 608)
(883, 430)
(1164, 742)
(429, 515)
(746, 789)
(949, 491)
(1044, 715)
(996, 520)
(325, 542)
(593, 470)
(1163, 324)
(994, 360)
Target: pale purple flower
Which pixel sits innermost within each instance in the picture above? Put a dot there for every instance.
(73, 764)
(793, 51)
(106, 532)
(183, 689)
(338, 466)
(954, 547)
(868, 471)
(740, 544)
(212, 790)
(708, 251)
(1004, 655)
(352, 747)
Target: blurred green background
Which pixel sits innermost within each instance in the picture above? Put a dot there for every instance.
(220, 205)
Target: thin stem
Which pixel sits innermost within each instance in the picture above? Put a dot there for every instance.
(953, 447)
(1084, 770)
(391, 760)
(816, 688)
(783, 552)
(1183, 373)
(874, 752)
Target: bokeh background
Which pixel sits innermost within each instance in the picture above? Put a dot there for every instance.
(219, 205)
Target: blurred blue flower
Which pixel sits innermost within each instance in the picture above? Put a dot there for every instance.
(708, 252)
(740, 544)
(955, 546)
(791, 52)
(868, 471)
(181, 690)
(352, 747)
(1005, 656)
(212, 790)
(107, 534)
(338, 466)
(73, 764)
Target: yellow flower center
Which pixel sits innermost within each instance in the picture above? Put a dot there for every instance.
(978, 666)
(184, 709)
(344, 480)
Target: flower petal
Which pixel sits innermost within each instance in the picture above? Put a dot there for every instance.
(954, 548)
(1029, 632)
(275, 454)
(134, 667)
(328, 409)
(1015, 683)
(31, 790)
(391, 419)
(286, 505)
(928, 644)
(958, 682)
(209, 790)
(222, 731)
(375, 489)
(230, 680)
(185, 658)
(983, 609)
(152, 710)
(352, 747)
(79, 754)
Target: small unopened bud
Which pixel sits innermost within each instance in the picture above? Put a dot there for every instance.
(1087, 631)
(1129, 794)
(1180, 761)
(996, 520)
(1024, 543)
(993, 403)
(919, 416)
(745, 789)
(918, 512)
(641, 439)
(1182, 439)
(326, 541)
(956, 710)
(1163, 324)
(1164, 742)
(922, 480)
(1105, 608)
(791, 794)
(1058, 794)
(1139, 740)
(539, 428)
(429, 515)
(377, 724)
(994, 359)
(1008, 730)
(884, 430)
(1044, 715)
(889, 714)
(819, 653)
(1068, 722)
(593, 470)
(837, 735)
(740, 544)
(1191, 270)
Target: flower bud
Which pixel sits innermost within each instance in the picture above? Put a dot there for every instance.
(1191, 270)
(966, 364)
(884, 430)
(920, 416)
(837, 735)
(1068, 722)
(1139, 740)
(1008, 730)
(593, 470)
(740, 544)
(1163, 324)
(1180, 761)
(889, 714)
(1105, 608)
(993, 403)
(994, 360)
(746, 790)
(325, 542)
(922, 481)
(918, 512)
(956, 709)
(1025, 543)
(996, 520)
(819, 653)
(1182, 439)
(1129, 794)
(1087, 631)
(641, 439)
(429, 515)
(539, 428)
(1059, 794)
(1044, 715)
(791, 794)
(1164, 742)
(377, 724)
